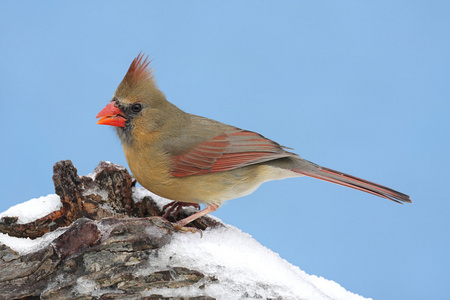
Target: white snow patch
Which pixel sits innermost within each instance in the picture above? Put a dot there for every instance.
(33, 209)
(138, 193)
(26, 245)
(244, 268)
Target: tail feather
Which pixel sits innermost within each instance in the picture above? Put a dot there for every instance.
(333, 176)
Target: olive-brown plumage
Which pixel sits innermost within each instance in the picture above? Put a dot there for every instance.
(192, 159)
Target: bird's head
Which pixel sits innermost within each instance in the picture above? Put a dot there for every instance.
(138, 106)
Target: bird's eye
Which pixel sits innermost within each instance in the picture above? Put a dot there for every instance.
(136, 107)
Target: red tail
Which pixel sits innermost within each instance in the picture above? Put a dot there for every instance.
(333, 176)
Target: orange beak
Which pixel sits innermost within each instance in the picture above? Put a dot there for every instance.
(111, 115)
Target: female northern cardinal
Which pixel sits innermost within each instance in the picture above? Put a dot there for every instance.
(192, 159)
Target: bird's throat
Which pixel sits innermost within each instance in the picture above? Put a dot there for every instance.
(125, 134)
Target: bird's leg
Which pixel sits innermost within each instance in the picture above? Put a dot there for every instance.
(175, 207)
(210, 208)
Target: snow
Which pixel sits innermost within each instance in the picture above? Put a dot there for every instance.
(140, 192)
(33, 209)
(26, 245)
(245, 269)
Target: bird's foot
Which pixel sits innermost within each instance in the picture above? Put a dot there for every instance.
(174, 207)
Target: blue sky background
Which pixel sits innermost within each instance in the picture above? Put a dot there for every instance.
(358, 86)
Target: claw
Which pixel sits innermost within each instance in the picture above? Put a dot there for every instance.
(174, 207)
(180, 225)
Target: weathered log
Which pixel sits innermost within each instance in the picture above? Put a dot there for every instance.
(106, 193)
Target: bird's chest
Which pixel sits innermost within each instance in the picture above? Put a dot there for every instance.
(149, 166)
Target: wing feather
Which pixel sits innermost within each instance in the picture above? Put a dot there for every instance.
(226, 152)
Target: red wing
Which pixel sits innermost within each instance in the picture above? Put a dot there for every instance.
(227, 151)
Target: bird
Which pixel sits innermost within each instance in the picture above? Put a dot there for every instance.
(196, 160)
